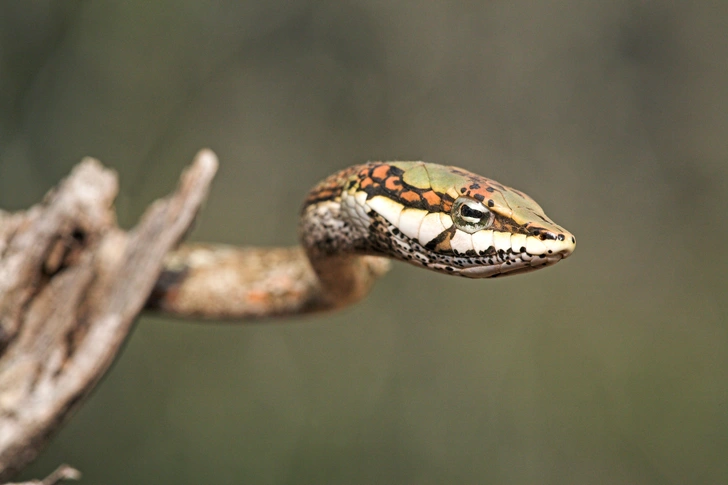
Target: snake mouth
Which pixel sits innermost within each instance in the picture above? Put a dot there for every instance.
(518, 265)
(529, 268)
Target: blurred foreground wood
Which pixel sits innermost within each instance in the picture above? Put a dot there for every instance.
(71, 286)
(62, 473)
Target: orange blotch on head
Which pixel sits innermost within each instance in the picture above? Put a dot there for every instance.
(446, 206)
(380, 172)
(431, 197)
(393, 184)
(410, 196)
(366, 183)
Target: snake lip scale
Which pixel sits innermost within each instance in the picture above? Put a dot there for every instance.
(439, 217)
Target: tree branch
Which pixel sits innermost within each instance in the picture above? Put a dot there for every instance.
(71, 285)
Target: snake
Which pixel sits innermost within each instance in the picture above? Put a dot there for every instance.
(438, 217)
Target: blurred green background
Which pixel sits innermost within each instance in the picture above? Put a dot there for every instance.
(610, 368)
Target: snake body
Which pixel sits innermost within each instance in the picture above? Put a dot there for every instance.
(438, 217)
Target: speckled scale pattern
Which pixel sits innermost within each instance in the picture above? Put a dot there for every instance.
(402, 210)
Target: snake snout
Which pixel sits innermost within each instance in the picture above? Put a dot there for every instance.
(558, 242)
(565, 244)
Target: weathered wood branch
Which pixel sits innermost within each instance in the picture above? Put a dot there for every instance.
(71, 286)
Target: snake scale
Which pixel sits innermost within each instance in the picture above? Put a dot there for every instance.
(438, 217)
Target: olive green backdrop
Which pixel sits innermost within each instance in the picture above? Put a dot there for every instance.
(611, 367)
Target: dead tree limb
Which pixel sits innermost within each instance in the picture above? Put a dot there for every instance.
(71, 286)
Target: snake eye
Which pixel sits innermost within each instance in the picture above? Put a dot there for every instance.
(470, 215)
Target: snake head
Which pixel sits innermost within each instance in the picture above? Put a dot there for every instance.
(440, 217)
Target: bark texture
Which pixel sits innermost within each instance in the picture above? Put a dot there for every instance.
(71, 286)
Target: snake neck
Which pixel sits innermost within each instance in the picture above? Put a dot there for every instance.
(339, 251)
(326, 232)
